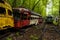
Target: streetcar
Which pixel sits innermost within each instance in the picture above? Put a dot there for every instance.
(6, 18)
(35, 18)
(55, 22)
(21, 17)
(49, 19)
(24, 17)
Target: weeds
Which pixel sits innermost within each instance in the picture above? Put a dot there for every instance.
(34, 37)
(9, 38)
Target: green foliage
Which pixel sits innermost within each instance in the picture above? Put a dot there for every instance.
(17, 33)
(40, 5)
(10, 1)
(55, 7)
(34, 37)
(8, 38)
(37, 5)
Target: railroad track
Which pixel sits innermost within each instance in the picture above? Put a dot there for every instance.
(6, 33)
(48, 32)
(4, 36)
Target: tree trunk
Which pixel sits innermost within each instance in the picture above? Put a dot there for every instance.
(35, 5)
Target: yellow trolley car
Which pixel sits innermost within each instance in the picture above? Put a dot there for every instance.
(6, 18)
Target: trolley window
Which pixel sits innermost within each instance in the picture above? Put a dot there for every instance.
(9, 12)
(1, 1)
(24, 16)
(2, 10)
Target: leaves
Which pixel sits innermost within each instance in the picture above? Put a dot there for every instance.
(38, 6)
(55, 7)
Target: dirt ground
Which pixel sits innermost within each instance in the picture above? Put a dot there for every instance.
(35, 33)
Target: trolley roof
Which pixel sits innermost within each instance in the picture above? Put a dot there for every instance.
(5, 5)
(22, 9)
(34, 13)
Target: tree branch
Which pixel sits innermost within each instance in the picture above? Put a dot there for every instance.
(35, 5)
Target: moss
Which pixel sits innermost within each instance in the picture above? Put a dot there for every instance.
(34, 37)
(17, 33)
(9, 38)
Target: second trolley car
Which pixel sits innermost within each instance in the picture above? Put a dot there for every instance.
(24, 17)
(21, 17)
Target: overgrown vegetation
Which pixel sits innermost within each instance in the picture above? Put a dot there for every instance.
(9, 38)
(38, 6)
(34, 37)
